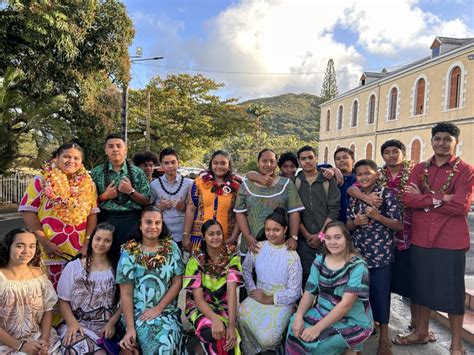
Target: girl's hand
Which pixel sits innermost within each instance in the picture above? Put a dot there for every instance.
(230, 339)
(310, 334)
(298, 326)
(71, 333)
(150, 314)
(129, 341)
(218, 329)
(109, 330)
(260, 296)
(32, 347)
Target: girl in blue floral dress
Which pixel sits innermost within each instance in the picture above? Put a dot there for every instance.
(150, 274)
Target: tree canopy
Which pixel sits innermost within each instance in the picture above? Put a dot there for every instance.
(329, 87)
(76, 50)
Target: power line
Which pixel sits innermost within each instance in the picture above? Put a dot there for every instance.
(263, 73)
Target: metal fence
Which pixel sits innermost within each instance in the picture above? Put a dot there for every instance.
(12, 188)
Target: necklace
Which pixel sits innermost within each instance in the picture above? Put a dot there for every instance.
(402, 176)
(225, 188)
(169, 192)
(444, 188)
(69, 196)
(218, 267)
(150, 260)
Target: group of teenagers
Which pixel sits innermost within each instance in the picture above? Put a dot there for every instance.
(303, 262)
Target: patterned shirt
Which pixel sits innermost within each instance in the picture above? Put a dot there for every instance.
(173, 217)
(374, 241)
(123, 202)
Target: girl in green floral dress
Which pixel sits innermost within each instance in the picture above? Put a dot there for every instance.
(150, 276)
(212, 276)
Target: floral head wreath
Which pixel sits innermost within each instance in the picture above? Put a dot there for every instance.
(321, 236)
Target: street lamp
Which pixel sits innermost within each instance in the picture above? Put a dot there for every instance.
(124, 112)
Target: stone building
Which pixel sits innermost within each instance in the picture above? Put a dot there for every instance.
(404, 104)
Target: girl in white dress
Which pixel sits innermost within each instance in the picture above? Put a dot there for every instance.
(265, 314)
(27, 298)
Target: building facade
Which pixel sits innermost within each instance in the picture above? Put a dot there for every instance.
(405, 104)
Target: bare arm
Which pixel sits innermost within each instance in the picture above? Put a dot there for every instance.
(232, 302)
(126, 302)
(294, 220)
(45, 325)
(188, 222)
(91, 223)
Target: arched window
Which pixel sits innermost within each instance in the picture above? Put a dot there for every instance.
(392, 114)
(368, 151)
(326, 155)
(371, 109)
(353, 148)
(454, 88)
(328, 120)
(416, 151)
(355, 108)
(340, 112)
(420, 97)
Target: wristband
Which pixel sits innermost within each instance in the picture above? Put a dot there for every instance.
(21, 345)
(131, 192)
(295, 237)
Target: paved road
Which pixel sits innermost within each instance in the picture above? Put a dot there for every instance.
(399, 316)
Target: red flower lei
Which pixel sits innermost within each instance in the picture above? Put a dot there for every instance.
(226, 188)
(216, 268)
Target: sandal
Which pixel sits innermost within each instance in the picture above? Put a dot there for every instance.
(461, 350)
(431, 336)
(404, 340)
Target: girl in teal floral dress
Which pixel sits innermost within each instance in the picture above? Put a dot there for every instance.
(211, 279)
(341, 320)
(150, 276)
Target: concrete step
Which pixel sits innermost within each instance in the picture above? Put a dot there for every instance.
(468, 324)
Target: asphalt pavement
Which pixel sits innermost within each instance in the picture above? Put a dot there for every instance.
(399, 318)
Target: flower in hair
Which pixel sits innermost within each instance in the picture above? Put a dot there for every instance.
(321, 236)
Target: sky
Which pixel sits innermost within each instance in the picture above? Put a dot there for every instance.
(262, 48)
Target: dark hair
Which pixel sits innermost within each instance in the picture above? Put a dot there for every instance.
(393, 143)
(347, 236)
(229, 173)
(114, 136)
(67, 146)
(346, 150)
(6, 244)
(306, 148)
(266, 150)
(366, 162)
(168, 151)
(143, 157)
(288, 156)
(137, 233)
(111, 255)
(205, 226)
(447, 127)
(279, 216)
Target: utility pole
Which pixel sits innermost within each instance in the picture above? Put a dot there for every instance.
(148, 117)
(124, 113)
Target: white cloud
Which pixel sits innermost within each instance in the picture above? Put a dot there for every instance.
(290, 36)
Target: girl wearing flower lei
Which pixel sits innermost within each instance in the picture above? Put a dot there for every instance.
(60, 206)
(212, 196)
(150, 277)
(212, 276)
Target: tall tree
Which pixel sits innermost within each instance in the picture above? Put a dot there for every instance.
(329, 87)
(76, 49)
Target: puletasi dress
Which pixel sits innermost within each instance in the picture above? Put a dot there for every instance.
(330, 285)
(279, 272)
(215, 294)
(163, 334)
(92, 303)
(69, 238)
(23, 304)
(211, 205)
(257, 202)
